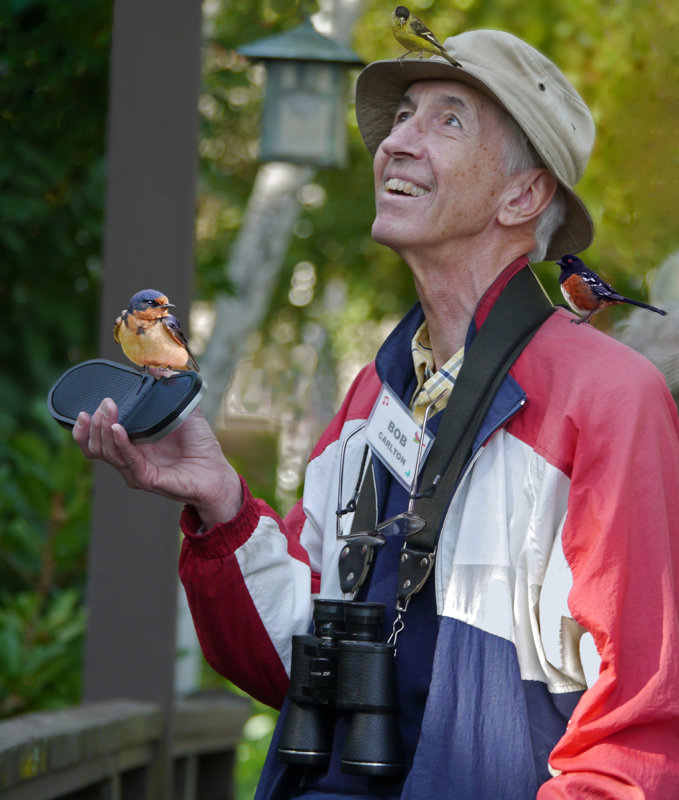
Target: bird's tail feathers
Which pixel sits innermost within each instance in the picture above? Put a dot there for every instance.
(449, 58)
(646, 305)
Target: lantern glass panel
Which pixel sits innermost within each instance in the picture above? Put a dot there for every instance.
(303, 119)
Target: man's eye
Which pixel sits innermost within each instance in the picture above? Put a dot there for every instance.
(453, 121)
(402, 116)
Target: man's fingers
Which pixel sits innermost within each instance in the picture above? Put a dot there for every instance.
(120, 451)
(81, 432)
(110, 447)
(94, 434)
(98, 424)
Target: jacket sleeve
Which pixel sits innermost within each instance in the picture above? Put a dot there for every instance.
(621, 539)
(250, 582)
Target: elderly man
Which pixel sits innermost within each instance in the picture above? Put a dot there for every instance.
(559, 519)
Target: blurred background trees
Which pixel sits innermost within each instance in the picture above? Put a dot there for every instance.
(53, 78)
(623, 56)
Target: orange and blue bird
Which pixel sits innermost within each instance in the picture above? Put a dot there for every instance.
(152, 337)
(586, 293)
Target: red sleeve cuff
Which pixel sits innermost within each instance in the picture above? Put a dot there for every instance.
(225, 538)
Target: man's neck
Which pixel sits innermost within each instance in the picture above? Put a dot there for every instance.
(451, 279)
(449, 296)
(451, 276)
(448, 317)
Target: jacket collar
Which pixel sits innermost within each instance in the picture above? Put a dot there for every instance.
(490, 296)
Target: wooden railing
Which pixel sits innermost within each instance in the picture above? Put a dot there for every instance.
(111, 751)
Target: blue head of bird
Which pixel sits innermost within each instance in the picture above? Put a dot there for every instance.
(149, 304)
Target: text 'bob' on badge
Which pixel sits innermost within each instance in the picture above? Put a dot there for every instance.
(394, 437)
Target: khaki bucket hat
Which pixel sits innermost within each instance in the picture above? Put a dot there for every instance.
(521, 80)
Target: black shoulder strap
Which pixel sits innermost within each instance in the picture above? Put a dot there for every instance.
(517, 314)
(519, 311)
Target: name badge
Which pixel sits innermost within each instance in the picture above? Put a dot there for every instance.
(394, 437)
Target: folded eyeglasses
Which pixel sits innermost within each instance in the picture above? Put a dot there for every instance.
(404, 523)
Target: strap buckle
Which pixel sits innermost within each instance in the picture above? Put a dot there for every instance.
(415, 566)
(354, 562)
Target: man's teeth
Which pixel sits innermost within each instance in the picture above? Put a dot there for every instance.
(405, 187)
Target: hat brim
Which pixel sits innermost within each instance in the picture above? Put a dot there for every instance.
(379, 89)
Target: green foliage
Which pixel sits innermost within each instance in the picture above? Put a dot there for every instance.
(252, 750)
(40, 651)
(54, 66)
(54, 69)
(44, 509)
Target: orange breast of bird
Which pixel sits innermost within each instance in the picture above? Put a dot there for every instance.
(579, 294)
(149, 344)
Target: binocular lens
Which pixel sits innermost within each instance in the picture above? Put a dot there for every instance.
(366, 685)
(306, 739)
(343, 666)
(364, 620)
(373, 746)
(329, 615)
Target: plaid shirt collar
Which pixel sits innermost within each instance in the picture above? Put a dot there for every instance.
(432, 387)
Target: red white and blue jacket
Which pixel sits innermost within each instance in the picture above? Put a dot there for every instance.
(566, 521)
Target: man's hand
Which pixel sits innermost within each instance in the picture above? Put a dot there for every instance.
(186, 465)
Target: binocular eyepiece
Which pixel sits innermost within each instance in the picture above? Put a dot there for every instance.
(343, 667)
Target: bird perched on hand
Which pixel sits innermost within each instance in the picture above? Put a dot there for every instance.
(415, 36)
(150, 336)
(586, 293)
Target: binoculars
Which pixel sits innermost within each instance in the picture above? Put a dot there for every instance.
(342, 667)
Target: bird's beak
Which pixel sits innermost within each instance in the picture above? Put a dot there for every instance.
(167, 305)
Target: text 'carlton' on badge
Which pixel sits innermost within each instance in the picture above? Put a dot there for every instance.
(394, 437)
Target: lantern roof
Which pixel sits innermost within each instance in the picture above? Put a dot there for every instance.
(303, 43)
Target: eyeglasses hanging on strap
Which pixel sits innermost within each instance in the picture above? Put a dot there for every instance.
(405, 523)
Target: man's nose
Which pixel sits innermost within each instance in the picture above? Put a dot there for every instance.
(405, 139)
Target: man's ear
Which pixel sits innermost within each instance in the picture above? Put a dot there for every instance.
(527, 197)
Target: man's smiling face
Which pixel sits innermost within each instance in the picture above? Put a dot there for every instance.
(440, 175)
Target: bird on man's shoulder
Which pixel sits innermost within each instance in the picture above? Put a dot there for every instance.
(586, 293)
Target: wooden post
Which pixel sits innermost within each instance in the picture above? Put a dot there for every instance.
(149, 236)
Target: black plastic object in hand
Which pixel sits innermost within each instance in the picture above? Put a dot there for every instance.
(148, 408)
